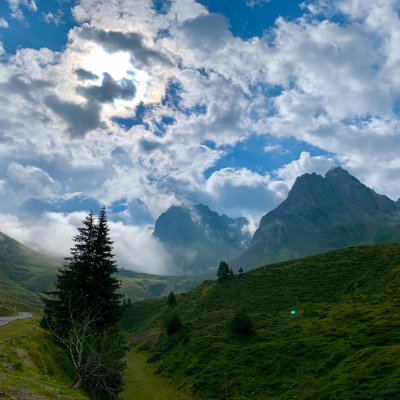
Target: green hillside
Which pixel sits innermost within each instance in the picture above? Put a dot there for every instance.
(343, 342)
(32, 366)
(26, 267)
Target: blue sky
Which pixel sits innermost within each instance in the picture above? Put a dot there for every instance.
(142, 105)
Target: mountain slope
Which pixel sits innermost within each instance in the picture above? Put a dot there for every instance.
(321, 214)
(198, 238)
(25, 273)
(343, 342)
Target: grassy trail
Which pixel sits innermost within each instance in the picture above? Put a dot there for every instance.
(143, 384)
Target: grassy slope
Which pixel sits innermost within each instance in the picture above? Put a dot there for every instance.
(32, 366)
(139, 286)
(142, 384)
(343, 342)
(25, 266)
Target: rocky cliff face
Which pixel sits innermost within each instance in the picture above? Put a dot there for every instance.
(198, 238)
(320, 214)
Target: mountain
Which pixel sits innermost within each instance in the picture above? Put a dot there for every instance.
(198, 238)
(321, 214)
(341, 342)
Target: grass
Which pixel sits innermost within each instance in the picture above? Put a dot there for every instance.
(31, 365)
(143, 384)
(343, 342)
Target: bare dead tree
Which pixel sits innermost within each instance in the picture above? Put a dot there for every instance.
(95, 354)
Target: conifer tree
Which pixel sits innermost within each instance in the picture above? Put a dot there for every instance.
(240, 271)
(72, 281)
(171, 301)
(84, 311)
(88, 276)
(223, 271)
(103, 285)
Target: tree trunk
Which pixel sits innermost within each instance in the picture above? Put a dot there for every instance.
(77, 382)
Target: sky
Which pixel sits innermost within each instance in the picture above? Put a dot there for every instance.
(140, 105)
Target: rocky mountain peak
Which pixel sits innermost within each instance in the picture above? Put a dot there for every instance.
(320, 214)
(355, 194)
(199, 238)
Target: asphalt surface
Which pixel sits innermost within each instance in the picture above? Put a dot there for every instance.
(6, 320)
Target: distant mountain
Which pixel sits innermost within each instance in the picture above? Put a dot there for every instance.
(198, 238)
(322, 214)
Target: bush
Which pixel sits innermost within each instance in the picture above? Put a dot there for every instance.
(172, 323)
(241, 323)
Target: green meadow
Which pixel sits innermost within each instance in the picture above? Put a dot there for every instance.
(343, 342)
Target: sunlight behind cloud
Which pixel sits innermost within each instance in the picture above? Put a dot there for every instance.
(117, 64)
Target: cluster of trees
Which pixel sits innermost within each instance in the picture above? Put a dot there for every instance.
(224, 271)
(84, 311)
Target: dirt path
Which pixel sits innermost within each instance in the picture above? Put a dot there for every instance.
(143, 384)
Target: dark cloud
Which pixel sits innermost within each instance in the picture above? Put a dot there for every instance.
(84, 75)
(149, 145)
(23, 86)
(80, 118)
(207, 32)
(132, 42)
(109, 90)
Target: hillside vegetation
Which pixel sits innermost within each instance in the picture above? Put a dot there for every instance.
(343, 342)
(32, 366)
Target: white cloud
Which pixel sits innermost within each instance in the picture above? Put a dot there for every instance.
(305, 164)
(275, 148)
(2, 51)
(3, 23)
(32, 180)
(15, 7)
(253, 3)
(134, 247)
(56, 19)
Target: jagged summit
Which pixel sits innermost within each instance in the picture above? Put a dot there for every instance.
(320, 214)
(198, 238)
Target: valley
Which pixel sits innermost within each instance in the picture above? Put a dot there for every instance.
(319, 292)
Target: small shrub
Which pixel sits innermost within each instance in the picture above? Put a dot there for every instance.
(172, 323)
(241, 323)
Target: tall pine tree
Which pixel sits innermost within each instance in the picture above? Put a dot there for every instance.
(84, 310)
(105, 285)
(87, 276)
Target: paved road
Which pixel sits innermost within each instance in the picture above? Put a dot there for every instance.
(5, 320)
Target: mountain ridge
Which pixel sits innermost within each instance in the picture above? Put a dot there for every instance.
(321, 214)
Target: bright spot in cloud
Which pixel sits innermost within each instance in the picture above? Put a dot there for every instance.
(117, 64)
